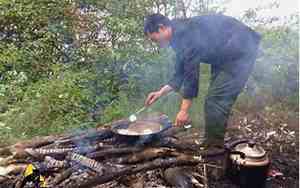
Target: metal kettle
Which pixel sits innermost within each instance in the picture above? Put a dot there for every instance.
(247, 164)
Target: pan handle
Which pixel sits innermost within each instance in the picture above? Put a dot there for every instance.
(188, 126)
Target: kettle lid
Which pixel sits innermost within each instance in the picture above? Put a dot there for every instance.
(251, 150)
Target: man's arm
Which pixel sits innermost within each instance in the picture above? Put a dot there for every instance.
(153, 96)
(165, 90)
(190, 90)
(186, 74)
(173, 84)
(186, 105)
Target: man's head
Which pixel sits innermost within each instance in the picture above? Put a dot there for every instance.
(158, 28)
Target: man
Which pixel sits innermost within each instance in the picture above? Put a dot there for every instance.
(229, 46)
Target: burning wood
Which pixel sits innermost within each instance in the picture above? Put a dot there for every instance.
(51, 151)
(63, 151)
(53, 163)
(85, 161)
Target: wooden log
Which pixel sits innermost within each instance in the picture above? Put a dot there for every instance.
(172, 132)
(36, 142)
(4, 179)
(18, 149)
(5, 151)
(51, 163)
(87, 162)
(190, 147)
(157, 163)
(50, 151)
(40, 153)
(7, 182)
(12, 169)
(64, 175)
(6, 161)
(91, 136)
(114, 151)
(179, 144)
(146, 155)
(178, 178)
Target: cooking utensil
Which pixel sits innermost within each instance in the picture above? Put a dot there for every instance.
(139, 128)
(144, 127)
(133, 117)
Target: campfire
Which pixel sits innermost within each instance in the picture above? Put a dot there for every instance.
(107, 157)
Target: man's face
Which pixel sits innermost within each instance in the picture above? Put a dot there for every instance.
(161, 37)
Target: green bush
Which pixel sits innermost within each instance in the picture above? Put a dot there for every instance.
(50, 106)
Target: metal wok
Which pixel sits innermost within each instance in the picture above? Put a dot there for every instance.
(143, 127)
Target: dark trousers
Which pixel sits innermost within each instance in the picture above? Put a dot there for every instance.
(227, 81)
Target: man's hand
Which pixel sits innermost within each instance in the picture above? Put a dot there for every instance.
(182, 118)
(152, 97)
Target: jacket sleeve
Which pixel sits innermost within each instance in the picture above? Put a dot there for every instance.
(178, 77)
(186, 74)
(191, 80)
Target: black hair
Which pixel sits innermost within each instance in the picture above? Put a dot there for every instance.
(153, 21)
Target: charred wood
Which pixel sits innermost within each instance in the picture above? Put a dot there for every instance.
(87, 162)
(146, 155)
(61, 177)
(178, 178)
(114, 151)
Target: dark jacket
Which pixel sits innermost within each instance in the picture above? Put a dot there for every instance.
(213, 39)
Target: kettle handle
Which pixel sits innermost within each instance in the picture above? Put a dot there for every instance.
(231, 145)
(243, 156)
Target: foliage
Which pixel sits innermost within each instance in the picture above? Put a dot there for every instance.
(50, 106)
(276, 74)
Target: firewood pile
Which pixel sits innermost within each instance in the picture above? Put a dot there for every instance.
(101, 158)
(98, 157)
